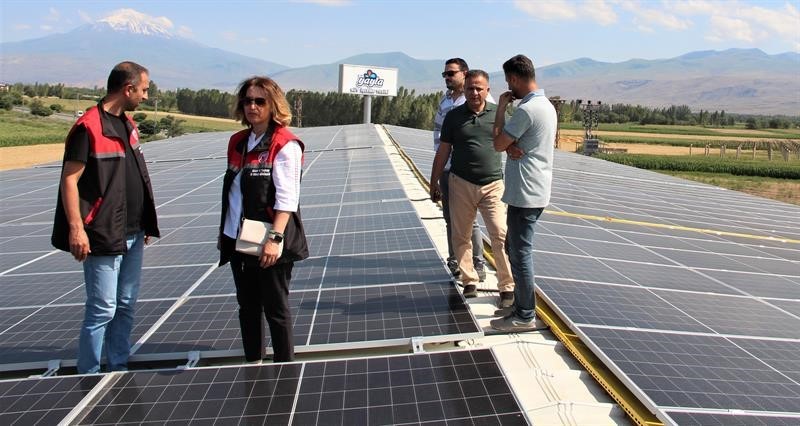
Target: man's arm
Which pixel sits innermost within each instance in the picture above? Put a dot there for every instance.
(439, 161)
(78, 240)
(501, 139)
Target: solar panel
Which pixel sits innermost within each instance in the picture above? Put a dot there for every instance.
(659, 276)
(682, 370)
(464, 386)
(730, 419)
(42, 401)
(51, 333)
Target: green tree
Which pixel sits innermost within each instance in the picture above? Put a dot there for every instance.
(6, 101)
(147, 127)
(139, 117)
(56, 107)
(173, 127)
(38, 108)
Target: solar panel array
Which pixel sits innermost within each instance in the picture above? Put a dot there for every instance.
(689, 293)
(373, 279)
(458, 387)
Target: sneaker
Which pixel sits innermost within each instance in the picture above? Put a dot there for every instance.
(480, 268)
(452, 265)
(513, 324)
(503, 311)
(470, 291)
(506, 299)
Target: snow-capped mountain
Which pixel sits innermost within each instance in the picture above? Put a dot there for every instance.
(85, 55)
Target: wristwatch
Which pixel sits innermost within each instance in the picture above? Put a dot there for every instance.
(276, 236)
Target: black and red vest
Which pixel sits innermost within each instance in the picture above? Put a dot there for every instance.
(102, 188)
(258, 188)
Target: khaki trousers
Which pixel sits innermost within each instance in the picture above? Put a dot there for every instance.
(465, 200)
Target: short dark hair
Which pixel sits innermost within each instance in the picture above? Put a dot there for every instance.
(462, 64)
(125, 73)
(521, 66)
(477, 73)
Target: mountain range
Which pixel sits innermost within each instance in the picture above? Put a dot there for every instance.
(734, 80)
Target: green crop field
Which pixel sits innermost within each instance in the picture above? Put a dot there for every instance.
(744, 167)
(724, 132)
(18, 128)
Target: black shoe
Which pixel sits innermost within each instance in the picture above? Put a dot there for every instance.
(506, 299)
(452, 265)
(470, 291)
(480, 268)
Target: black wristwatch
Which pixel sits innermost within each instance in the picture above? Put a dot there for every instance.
(276, 236)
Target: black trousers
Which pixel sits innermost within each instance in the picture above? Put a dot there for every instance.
(263, 293)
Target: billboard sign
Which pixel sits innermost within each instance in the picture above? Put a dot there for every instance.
(367, 80)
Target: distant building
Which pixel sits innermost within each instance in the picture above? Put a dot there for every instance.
(4, 87)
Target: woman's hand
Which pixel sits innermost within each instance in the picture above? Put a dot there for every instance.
(269, 254)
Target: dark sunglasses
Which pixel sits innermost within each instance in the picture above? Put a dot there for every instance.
(450, 73)
(258, 101)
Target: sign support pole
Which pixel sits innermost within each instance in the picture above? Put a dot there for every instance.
(367, 109)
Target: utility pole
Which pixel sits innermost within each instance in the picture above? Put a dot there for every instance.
(590, 111)
(155, 114)
(557, 102)
(298, 111)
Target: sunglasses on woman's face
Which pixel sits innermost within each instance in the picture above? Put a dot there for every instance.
(258, 101)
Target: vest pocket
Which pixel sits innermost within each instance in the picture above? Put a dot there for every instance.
(93, 211)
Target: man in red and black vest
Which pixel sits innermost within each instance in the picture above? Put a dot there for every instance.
(105, 214)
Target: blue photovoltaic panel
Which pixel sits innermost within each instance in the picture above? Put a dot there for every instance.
(654, 270)
(42, 401)
(451, 388)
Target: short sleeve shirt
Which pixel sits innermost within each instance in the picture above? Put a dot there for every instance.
(473, 157)
(533, 127)
(77, 149)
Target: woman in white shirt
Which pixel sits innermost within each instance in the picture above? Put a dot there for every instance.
(262, 183)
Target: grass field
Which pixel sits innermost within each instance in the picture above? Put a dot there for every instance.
(721, 132)
(786, 190)
(18, 128)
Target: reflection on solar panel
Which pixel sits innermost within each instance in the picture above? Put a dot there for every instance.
(374, 278)
(42, 401)
(689, 293)
(394, 390)
(453, 387)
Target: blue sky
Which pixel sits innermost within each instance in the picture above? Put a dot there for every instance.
(484, 32)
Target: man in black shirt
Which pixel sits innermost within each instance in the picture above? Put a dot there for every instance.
(105, 214)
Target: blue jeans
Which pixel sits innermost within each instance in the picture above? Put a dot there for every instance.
(519, 248)
(477, 238)
(112, 286)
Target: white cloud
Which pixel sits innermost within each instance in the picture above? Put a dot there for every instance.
(21, 27)
(185, 31)
(723, 28)
(547, 10)
(693, 7)
(782, 22)
(649, 18)
(262, 40)
(85, 17)
(45, 27)
(600, 12)
(53, 15)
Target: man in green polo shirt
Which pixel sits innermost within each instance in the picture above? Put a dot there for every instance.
(476, 182)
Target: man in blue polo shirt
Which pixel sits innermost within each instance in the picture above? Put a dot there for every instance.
(528, 138)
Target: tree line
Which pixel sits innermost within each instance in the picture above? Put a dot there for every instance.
(407, 109)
